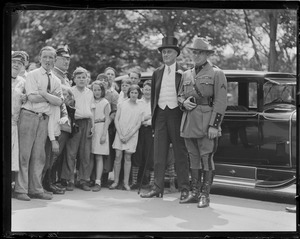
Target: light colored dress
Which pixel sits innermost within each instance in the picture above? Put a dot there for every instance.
(17, 88)
(130, 115)
(97, 148)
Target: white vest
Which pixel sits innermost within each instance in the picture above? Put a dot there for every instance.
(168, 94)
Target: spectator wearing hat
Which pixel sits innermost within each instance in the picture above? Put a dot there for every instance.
(62, 64)
(33, 126)
(166, 118)
(78, 147)
(17, 92)
(23, 73)
(202, 97)
(53, 165)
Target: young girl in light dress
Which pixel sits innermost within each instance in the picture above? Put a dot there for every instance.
(100, 140)
(128, 120)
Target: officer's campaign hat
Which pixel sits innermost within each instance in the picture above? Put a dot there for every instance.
(63, 51)
(202, 45)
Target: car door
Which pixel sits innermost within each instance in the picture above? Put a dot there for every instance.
(237, 154)
(277, 122)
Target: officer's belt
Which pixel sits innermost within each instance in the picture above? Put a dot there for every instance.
(202, 101)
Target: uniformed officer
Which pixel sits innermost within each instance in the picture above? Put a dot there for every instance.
(62, 64)
(202, 97)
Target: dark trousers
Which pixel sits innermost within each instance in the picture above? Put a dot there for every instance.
(54, 162)
(167, 130)
(79, 147)
(144, 149)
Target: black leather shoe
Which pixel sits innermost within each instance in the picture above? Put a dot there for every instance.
(151, 194)
(190, 199)
(203, 201)
(184, 194)
(60, 186)
(55, 190)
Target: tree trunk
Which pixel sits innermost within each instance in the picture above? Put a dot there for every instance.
(273, 32)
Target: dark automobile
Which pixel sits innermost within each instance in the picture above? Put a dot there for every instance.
(258, 143)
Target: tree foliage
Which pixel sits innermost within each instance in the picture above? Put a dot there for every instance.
(121, 38)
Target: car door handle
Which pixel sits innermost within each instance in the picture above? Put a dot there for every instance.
(232, 171)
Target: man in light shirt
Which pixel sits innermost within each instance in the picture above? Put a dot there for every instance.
(43, 89)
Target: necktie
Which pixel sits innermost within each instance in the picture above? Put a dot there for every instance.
(49, 82)
(169, 70)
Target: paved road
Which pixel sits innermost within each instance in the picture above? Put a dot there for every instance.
(231, 209)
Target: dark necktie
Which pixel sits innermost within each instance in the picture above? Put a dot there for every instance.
(169, 70)
(49, 82)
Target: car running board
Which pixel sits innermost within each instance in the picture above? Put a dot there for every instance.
(275, 184)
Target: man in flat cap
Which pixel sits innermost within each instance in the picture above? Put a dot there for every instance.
(166, 118)
(203, 97)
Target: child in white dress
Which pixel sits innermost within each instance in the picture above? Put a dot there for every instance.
(127, 121)
(100, 140)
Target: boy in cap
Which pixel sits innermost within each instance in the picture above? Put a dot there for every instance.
(79, 146)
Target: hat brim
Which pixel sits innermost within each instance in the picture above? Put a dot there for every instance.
(209, 51)
(172, 47)
(18, 59)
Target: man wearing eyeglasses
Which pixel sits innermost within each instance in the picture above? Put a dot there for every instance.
(202, 97)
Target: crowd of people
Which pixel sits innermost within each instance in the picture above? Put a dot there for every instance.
(70, 133)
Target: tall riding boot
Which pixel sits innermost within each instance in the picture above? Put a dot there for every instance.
(204, 194)
(196, 183)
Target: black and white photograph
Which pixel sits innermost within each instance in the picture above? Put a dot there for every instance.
(151, 120)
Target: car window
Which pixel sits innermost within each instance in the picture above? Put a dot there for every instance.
(252, 95)
(232, 93)
(241, 95)
(275, 92)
